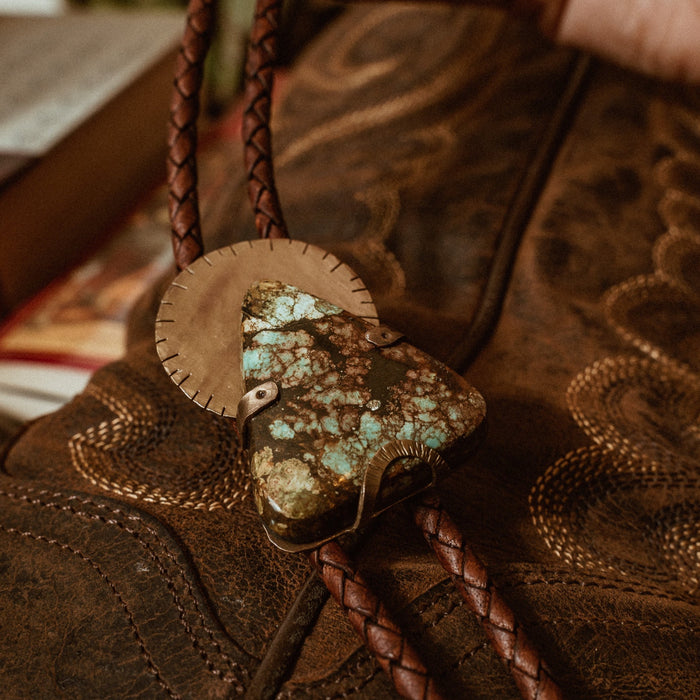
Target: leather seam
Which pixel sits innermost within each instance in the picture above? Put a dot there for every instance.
(657, 626)
(64, 547)
(525, 198)
(453, 605)
(170, 581)
(363, 660)
(468, 655)
(624, 587)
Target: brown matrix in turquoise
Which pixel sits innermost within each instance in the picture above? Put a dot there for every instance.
(341, 398)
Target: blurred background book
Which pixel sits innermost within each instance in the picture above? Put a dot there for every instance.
(82, 133)
(52, 344)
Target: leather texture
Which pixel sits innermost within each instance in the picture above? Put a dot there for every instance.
(415, 143)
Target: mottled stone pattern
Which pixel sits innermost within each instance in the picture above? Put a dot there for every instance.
(341, 399)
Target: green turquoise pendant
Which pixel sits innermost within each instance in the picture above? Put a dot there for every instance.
(342, 419)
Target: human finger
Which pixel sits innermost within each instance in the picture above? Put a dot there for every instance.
(658, 37)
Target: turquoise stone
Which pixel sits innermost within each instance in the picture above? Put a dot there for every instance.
(341, 398)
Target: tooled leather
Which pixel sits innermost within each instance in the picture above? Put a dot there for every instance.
(261, 57)
(371, 620)
(495, 615)
(182, 134)
(616, 512)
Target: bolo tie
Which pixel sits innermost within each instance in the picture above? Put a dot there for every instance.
(340, 416)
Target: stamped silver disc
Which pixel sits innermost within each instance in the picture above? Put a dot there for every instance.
(199, 320)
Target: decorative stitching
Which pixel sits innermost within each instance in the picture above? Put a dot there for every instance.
(624, 587)
(146, 655)
(656, 446)
(113, 444)
(420, 97)
(658, 626)
(231, 663)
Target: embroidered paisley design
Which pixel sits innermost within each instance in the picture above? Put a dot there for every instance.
(626, 504)
(131, 454)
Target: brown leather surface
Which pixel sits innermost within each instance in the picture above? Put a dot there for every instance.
(451, 151)
(132, 560)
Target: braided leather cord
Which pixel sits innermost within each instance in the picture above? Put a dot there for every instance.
(182, 134)
(472, 580)
(262, 53)
(369, 617)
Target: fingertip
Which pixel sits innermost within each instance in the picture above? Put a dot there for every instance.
(653, 36)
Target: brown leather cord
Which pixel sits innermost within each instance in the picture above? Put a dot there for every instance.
(371, 621)
(262, 53)
(474, 584)
(182, 134)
